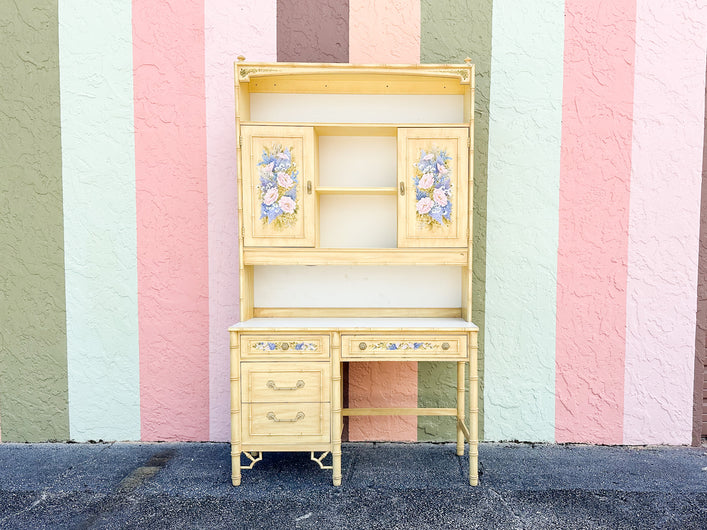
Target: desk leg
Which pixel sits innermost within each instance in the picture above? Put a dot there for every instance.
(336, 399)
(235, 412)
(460, 407)
(473, 411)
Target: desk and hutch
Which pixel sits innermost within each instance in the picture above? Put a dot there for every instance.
(354, 211)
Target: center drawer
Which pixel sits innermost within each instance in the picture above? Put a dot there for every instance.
(285, 382)
(420, 346)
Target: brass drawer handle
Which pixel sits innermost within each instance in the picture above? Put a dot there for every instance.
(402, 188)
(285, 346)
(361, 345)
(309, 187)
(271, 416)
(445, 346)
(271, 384)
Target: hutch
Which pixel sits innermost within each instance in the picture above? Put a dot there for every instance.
(354, 215)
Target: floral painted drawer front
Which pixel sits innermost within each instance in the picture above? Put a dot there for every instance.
(285, 345)
(278, 186)
(433, 186)
(423, 346)
(397, 345)
(281, 346)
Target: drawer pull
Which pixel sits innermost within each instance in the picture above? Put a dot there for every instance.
(361, 345)
(271, 384)
(285, 345)
(271, 416)
(445, 346)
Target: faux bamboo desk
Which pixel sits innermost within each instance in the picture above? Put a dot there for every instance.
(286, 384)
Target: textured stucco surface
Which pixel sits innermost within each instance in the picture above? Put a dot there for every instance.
(522, 226)
(451, 31)
(384, 31)
(172, 212)
(33, 373)
(664, 221)
(380, 32)
(699, 413)
(231, 29)
(312, 31)
(595, 176)
(95, 43)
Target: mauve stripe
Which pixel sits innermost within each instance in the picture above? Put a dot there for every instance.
(313, 31)
(172, 234)
(592, 258)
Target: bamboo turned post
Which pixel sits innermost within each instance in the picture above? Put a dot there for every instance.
(473, 411)
(235, 412)
(460, 407)
(336, 399)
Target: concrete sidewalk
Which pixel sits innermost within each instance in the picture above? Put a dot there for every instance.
(385, 485)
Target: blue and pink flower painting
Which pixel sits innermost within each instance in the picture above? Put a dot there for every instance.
(278, 186)
(433, 187)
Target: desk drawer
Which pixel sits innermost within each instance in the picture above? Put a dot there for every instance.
(286, 422)
(414, 346)
(282, 346)
(291, 382)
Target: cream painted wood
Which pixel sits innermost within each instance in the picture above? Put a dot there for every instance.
(295, 228)
(295, 382)
(416, 228)
(284, 347)
(286, 364)
(286, 423)
(356, 256)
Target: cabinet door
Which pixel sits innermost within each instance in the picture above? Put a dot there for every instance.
(433, 194)
(278, 186)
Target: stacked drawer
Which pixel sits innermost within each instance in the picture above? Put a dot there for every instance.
(285, 389)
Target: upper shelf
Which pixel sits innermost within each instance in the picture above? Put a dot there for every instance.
(356, 129)
(336, 78)
(355, 256)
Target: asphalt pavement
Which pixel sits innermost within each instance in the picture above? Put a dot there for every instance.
(385, 485)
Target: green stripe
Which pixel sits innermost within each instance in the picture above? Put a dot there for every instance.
(451, 31)
(33, 373)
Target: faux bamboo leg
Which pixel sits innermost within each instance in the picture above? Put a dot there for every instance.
(460, 407)
(473, 411)
(336, 418)
(235, 412)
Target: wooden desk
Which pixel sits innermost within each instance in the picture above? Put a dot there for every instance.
(286, 383)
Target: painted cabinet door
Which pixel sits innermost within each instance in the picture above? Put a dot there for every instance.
(433, 187)
(278, 186)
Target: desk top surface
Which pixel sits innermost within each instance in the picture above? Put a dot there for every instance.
(357, 324)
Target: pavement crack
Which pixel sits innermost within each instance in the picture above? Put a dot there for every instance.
(516, 517)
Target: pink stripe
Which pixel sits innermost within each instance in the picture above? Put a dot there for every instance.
(595, 169)
(233, 28)
(170, 165)
(671, 39)
(382, 31)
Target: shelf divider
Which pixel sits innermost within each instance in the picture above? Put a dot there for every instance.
(355, 256)
(350, 190)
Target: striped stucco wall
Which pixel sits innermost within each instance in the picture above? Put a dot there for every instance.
(119, 269)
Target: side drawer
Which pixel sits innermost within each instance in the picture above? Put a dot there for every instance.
(413, 346)
(280, 346)
(286, 423)
(285, 381)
